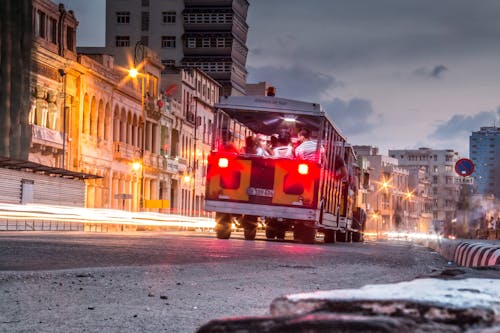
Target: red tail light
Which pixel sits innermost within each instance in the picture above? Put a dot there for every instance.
(223, 162)
(303, 169)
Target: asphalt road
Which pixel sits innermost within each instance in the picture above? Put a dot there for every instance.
(175, 282)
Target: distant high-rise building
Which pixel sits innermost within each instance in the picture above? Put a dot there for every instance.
(484, 148)
(207, 34)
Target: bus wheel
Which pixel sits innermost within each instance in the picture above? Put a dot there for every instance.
(270, 232)
(249, 227)
(223, 225)
(357, 237)
(341, 236)
(250, 232)
(330, 236)
(280, 234)
(308, 235)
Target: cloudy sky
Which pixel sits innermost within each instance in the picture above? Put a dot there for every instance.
(392, 73)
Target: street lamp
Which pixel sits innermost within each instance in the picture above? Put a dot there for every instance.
(134, 73)
(383, 186)
(62, 73)
(408, 197)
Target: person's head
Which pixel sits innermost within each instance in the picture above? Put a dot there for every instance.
(304, 134)
(262, 140)
(250, 141)
(284, 137)
(250, 144)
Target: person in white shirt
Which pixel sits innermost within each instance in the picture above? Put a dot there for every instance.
(262, 146)
(284, 144)
(307, 149)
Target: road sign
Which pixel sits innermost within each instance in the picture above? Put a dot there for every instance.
(464, 167)
(464, 180)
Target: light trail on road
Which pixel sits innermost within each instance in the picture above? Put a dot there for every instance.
(103, 216)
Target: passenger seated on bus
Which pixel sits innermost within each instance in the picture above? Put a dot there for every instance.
(227, 143)
(340, 168)
(306, 150)
(283, 146)
(250, 145)
(263, 146)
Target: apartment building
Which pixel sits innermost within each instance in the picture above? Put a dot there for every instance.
(387, 203)
(196, 93)
(439, 166)
(484, 148)
(207, 34)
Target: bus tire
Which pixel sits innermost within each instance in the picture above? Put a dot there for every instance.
(341, 236)
(330, 236)
(357, 237)
(280, 234)
(250, 232)
(249, 224)
(308, 235)
(270, 232)
(223, 225)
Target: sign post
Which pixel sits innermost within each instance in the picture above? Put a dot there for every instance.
(464, 167)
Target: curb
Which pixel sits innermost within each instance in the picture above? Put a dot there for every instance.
(476, 254)
(468, 253)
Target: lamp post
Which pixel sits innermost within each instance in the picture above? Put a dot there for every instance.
(195, 163)
(62, 73)
(408, 197)
(133, 73)
(384, 186)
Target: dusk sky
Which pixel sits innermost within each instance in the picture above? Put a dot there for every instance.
(396, 74)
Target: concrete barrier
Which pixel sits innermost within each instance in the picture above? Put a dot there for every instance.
(468, 253)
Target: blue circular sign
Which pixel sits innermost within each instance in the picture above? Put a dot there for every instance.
(464, 167)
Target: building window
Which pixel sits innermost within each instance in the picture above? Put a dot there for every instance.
(40, 24)
(145, 3)
(205, 42)
(70, 39)
(145, 21)
(435, 169)
(169, 17)
(221, 42)
(168, 42)
(145, 40)
(122, 17)
(191, 43)
(448, 168)
(53, 30)
(434, 179)
(122, 41)
(168, 62)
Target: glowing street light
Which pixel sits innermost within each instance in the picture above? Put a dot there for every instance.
(132, 72)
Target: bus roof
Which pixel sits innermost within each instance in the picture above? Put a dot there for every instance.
(266, 114)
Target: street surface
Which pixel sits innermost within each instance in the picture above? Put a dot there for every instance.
(177, 281)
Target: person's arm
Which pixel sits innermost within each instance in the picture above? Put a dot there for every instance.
(340, 168)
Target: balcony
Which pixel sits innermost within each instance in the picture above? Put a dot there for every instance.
(47, 137)
(172, 165)
(124, 151)
(152, 108)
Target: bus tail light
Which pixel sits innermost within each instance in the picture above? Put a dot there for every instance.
(303, 169)
(223, 162)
